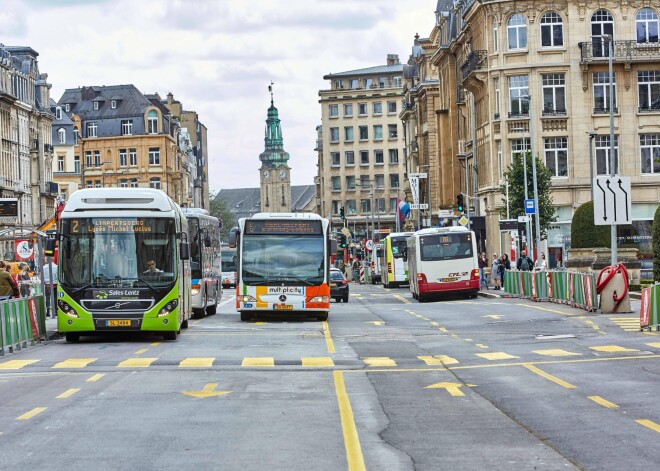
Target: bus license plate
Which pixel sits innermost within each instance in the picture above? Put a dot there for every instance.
(283, 307)
(449, 280)
(118, 323)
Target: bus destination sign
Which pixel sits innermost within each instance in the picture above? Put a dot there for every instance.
(271, 226)
(110, 225)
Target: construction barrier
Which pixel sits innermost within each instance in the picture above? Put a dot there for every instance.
(649, 309)
(22, 321)
(573, 288)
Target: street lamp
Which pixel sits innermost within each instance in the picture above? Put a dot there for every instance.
(592, 135)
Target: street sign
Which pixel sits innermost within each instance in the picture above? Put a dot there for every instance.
(419, 206)
(530, 206)
(369, 245)
(612, 201)
(522, 219)
(508, 225)
(463, 221)
(445, 213)
(345, 231)
(413, 180)
(417, 175)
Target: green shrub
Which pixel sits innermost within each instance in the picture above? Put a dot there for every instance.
(656, 245)
(584, 233)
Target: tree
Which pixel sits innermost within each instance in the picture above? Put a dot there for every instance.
(515, 174)
(585, 233)
(218, 208)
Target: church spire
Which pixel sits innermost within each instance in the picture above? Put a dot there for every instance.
(274, 154)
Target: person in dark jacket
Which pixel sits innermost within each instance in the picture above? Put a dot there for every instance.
(8, 286)
(524, 262)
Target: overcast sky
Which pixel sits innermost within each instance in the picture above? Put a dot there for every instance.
(218, 57)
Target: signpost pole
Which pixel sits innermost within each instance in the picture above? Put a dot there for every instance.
(610, 52)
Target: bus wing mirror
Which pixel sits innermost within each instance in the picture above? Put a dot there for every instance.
(49, 248)
(184, 250)
(333, 247)
(233, 236)
(405, 255)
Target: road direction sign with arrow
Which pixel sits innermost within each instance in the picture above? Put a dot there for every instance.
(612, 201)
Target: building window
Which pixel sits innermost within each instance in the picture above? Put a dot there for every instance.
(556, 156)
(382, 82)
(336, 183)
(61, 136)
(496, 85)
(113, 104)
(154, 155)
(646, 24)
(75, 136)
(350, 157)
(348, 110)
(392, 132)
(364, 157)
(123, 161)
(365, 206)
(97, 158)
(368, 83)
(397, 82)
(354, 83)
(132, 157)
(60, 163)
(88, 158)
(391, 107)
(134, 182)
(92, 129)
(350, 207)
(339, 84)
(378, 157)
(602, 92)
(554, 94)
(97, 184)
(89, 184)
(123, 183)
(333, 111)
(650, 150)
(378, 132)
(380, 205)
(394, 156)
(58, 113)
(76, 164)
(364, 133)
(126, 127)
(152, 122)
(602, 23)
(334, 134)
(364, 182)
(96, 106)
(496, 34)
(602, 145)
(348, 134)
(394, 181)
(154, 182)
(362, 109)
(377, 107)
(498, 147)
(380, 182)
(67, 107)
(519, 148)
(517, 32)
(350, 183)
(648, 83)
(518, 88)
(552, 30)
(336, 161)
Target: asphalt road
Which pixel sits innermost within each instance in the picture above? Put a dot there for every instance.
(386, 384)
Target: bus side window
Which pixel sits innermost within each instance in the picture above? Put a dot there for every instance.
(405, 254)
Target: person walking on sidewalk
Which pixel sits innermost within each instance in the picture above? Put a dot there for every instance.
(495, 271)
(483, 263)
(524, 262)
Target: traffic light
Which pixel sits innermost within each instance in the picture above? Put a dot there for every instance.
(342, 241)
(342, 215)
(459, 202)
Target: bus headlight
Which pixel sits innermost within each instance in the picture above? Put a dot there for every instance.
(196, 289)
(320, 299)
(244, 298)
(169, 307)
(67, 309)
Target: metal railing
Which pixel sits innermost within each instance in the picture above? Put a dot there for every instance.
(476, 60)
(624, 51)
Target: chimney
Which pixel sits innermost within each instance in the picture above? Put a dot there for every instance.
(392, 59)
(170, 98)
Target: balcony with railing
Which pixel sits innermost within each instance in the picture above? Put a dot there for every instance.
(628, 51)
(476, 60)
(650, 107)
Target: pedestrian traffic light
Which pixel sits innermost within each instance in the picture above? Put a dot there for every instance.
(459, 202)
(341, 213)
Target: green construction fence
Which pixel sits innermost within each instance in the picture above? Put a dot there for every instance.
(22, 323)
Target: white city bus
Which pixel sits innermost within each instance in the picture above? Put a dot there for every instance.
(283, 264)
(442, 261)
(393, 268)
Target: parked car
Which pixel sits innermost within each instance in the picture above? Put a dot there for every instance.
(338, 285)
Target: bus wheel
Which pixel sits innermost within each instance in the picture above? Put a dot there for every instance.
(72, 338)
(184, 324)
(245, 316)
(322, 316)
(210, 310)
(170, 335)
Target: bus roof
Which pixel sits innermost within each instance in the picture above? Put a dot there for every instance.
(285, 216)
(441, 230)
(399, 234)
(103, 199)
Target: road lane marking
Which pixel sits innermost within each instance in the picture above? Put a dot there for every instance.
(75, 363)
(546, 309)
(496, 356)
(351, 439)
(94, 378)
(196, 362)
(402, 299)
(154, 344)
(32, 413)
(649, 424)
(434, 324)
(379, 361)
(136, 363)
(16, 364)
(654, 344)
(438, 360)
(613, 349)
(258, 361)
(317, 361)
(206, 391)
(68, 393)
(452, 388)
(548, 376)
(328, 338)
(482, 345)
(557, 352)
(141, 351)
(603, 402)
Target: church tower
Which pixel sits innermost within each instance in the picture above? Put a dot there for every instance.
(274, 172)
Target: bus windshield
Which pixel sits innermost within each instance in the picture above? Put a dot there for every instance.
(445, 246)
(398, 245)
(228, 260)
(114, 252)
(276, 259)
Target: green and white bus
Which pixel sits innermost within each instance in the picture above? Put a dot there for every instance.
(123, 264)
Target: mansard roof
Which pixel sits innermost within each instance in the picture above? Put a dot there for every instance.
(131, 102)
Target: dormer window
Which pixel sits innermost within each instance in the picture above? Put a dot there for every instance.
(96, 105)
(113, 104)
(58, 113)
(67, 107)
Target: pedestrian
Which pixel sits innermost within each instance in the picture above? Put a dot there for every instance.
(502, 267)
(8, 286)
(483, 263)
(495, 271)
(23, 280)
(544, 262)
(50, 283)
(524, 263)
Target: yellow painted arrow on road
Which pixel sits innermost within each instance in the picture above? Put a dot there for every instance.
(207, 391)
(452, 388)
(376, 322)
(494, 316)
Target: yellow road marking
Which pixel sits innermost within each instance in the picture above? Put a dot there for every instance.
(650, 424)
(141, 351)
(258, 361)
(438, 360)
(328, 338)
(351, 438)
(206, 391)
(95, 378)
(603, 402)
(32, 413)
(68, 393)
(154, 344)
(531, 306)
(136, 363)
(75, 363)
(317, 361)
(402, 299)
(16, 364)
(557, 352)
(481, 345)
(654, 344)
(493, 316)
(496, 356)
(196, 362)
(379, 361)
(435, 324)
(443, 329)
(548, 376)
(613, 349)
(452, 388)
